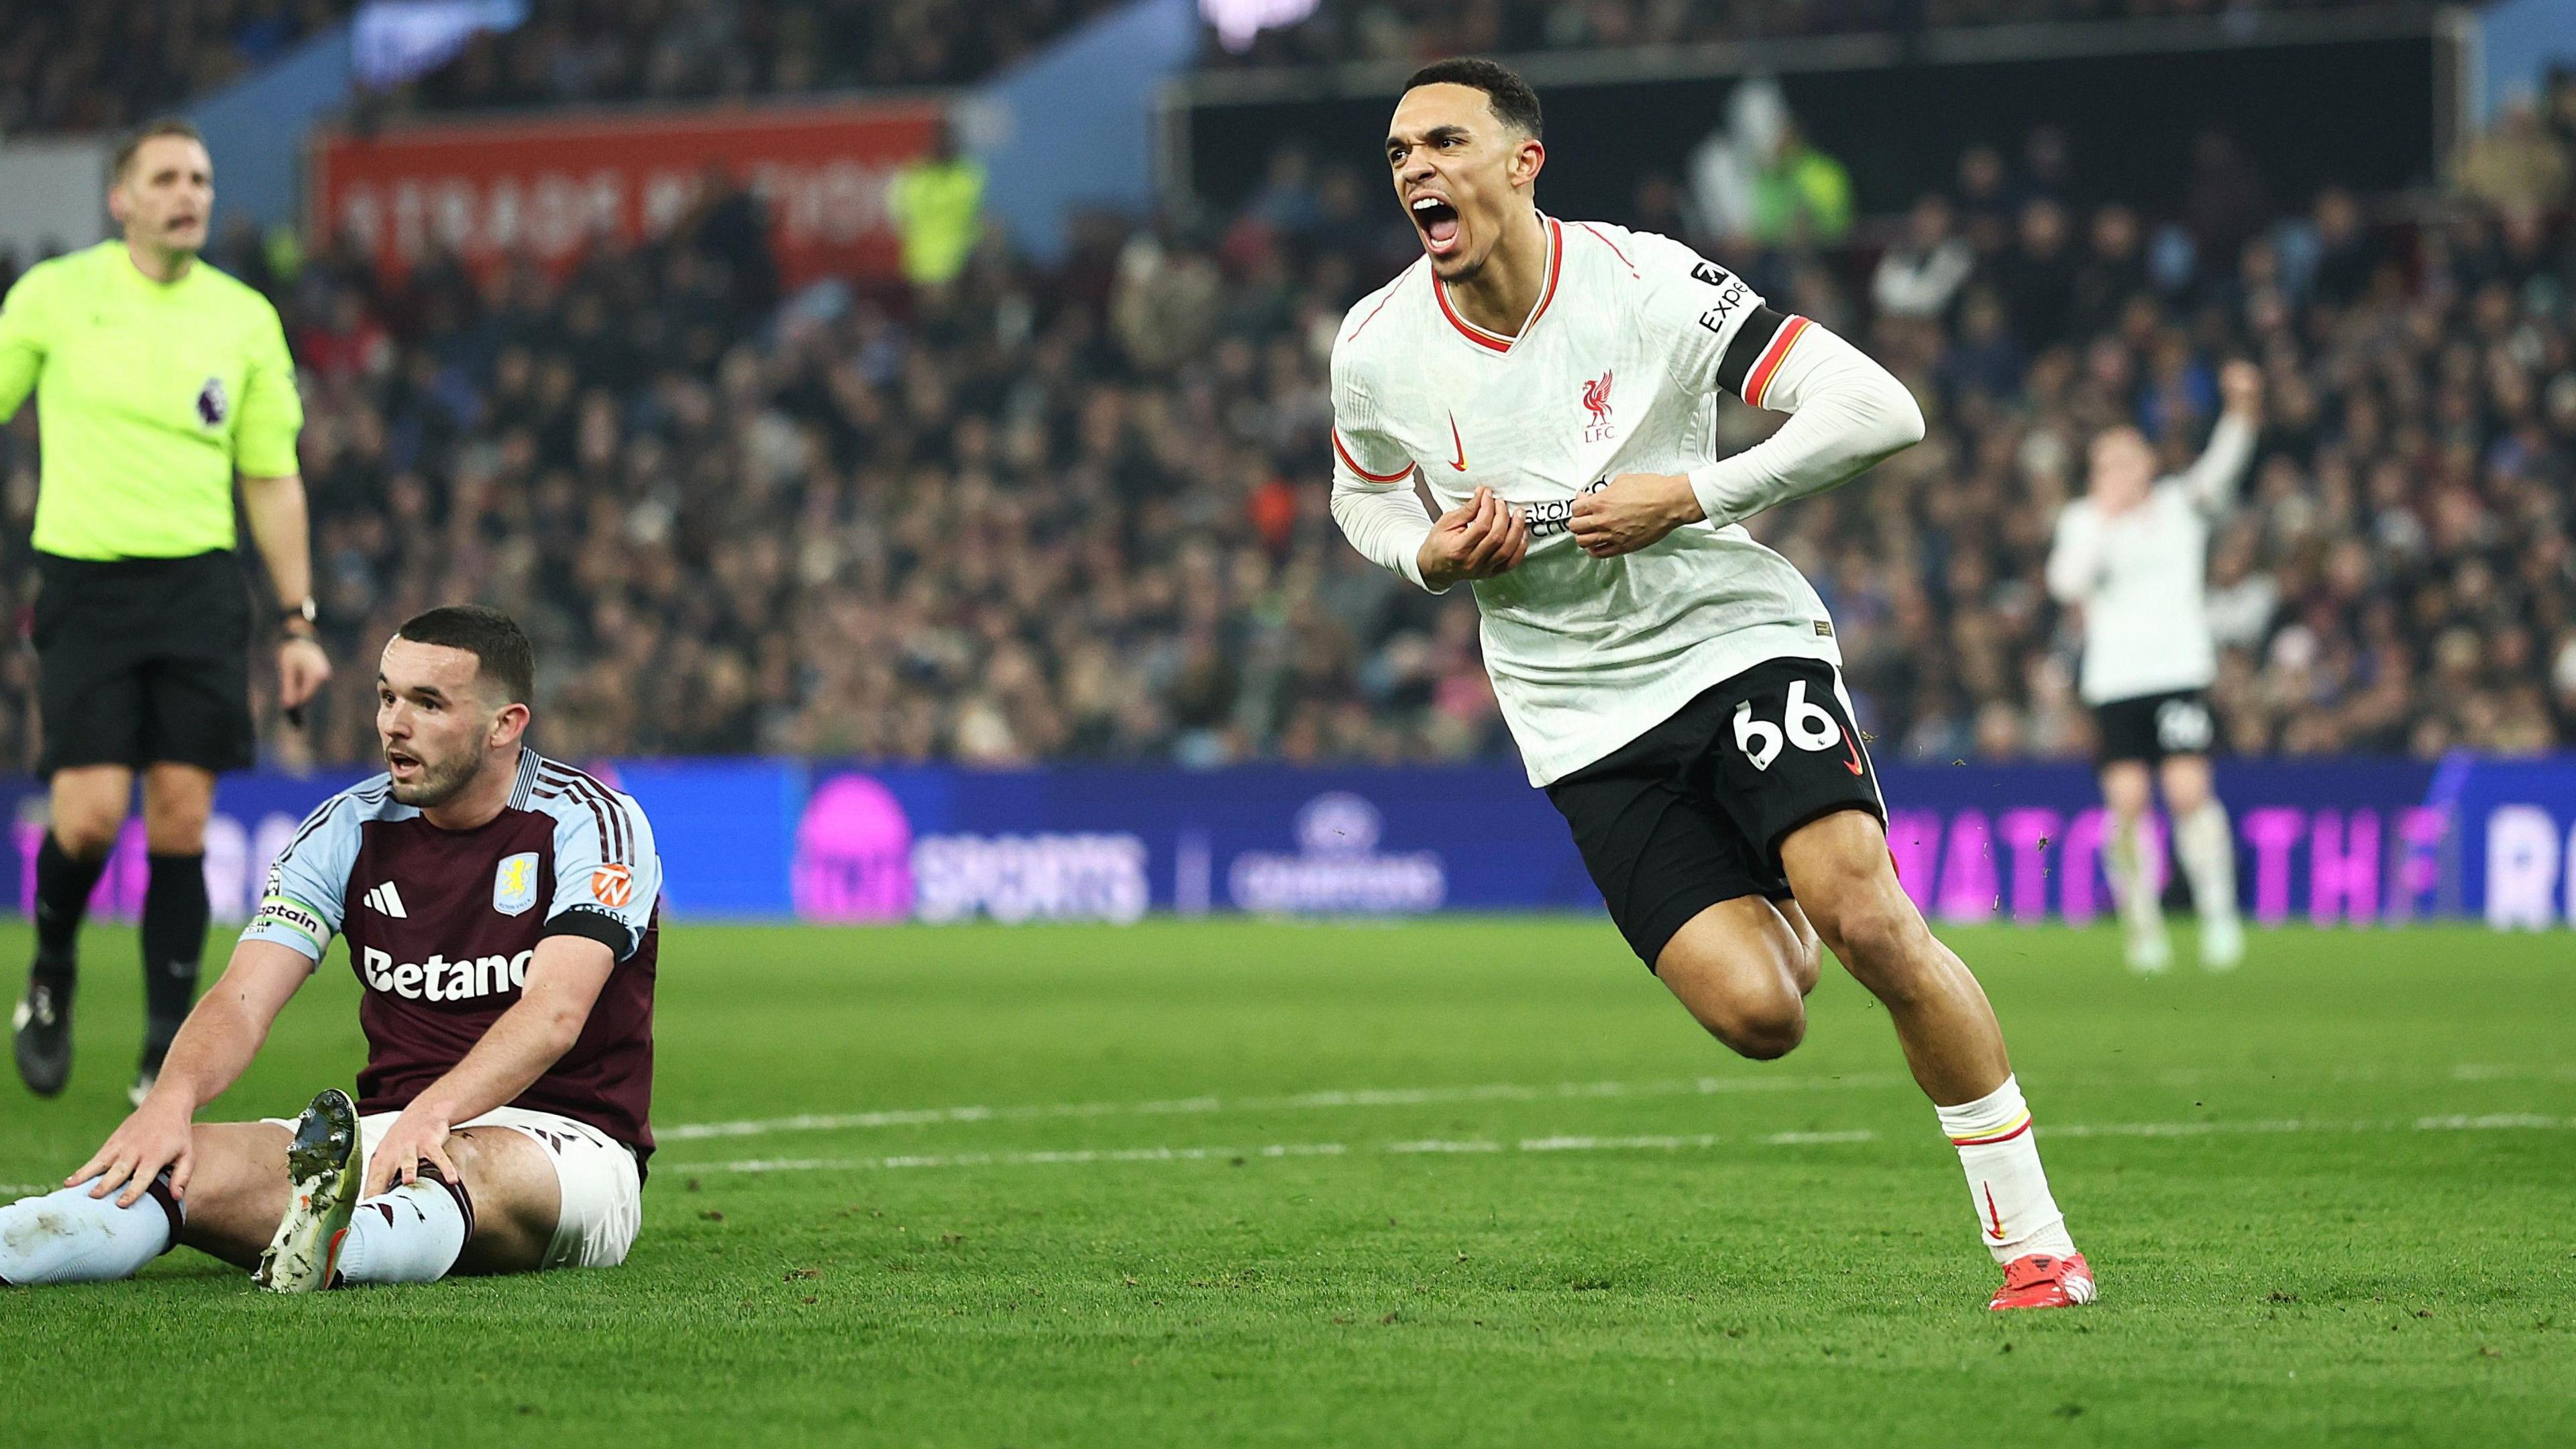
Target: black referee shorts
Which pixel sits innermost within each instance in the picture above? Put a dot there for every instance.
(1692, 812)
(142, 661)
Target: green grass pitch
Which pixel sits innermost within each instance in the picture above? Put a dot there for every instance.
(1472, 1182)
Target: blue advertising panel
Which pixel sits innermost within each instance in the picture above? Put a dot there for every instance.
(2336, 842)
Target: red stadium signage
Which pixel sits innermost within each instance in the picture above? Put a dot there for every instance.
(546, 188)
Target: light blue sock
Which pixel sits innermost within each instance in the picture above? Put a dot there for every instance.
(409, 1235)
(68, 1236)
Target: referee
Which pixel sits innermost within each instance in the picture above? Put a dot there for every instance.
(157, 379)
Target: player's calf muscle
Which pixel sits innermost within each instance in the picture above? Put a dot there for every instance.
(237, 1190)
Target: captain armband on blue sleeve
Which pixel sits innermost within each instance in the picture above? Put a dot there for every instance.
(289, 922)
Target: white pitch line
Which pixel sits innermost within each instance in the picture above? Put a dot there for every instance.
(2507, 1071)
(1293, 1102)
(1014, 1159)
(2509, 1121)
(1212, 1104)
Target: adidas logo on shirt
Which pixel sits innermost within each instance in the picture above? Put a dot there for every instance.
(387, 901)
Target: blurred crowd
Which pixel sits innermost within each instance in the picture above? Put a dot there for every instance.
(104, 65)
(1012, 512)
(665, 50)
(101, 65)
(1416, 30)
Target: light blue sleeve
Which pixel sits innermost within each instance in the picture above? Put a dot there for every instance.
(302, 906)
(605, 863)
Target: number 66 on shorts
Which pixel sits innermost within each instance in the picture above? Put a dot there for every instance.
(1801, 724)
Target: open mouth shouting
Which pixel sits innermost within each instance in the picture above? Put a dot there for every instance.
(1437, 219)
(403, 766)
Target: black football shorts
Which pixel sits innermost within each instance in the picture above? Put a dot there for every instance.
(140, 661)
(2151, 726)
(1692, 812)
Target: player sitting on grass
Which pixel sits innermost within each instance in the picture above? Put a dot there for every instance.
(1671, 683)
(500, 911)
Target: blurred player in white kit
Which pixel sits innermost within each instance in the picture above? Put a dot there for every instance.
(2133, 555)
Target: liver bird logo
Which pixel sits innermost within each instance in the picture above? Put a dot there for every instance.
(1596, 398)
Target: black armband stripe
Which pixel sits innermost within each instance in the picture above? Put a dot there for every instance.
(592, 925)
(1746, 349)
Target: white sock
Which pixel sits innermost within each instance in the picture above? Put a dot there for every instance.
(2128, 850)
(2015, 1214)
(2208, 854)
(409, 1235)
(67, 1236)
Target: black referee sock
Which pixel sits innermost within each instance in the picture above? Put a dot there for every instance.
(174, 938)
(63, 885)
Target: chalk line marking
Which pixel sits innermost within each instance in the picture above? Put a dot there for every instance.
(1213, 1104)
(2495, 1122)
(1293, 1102)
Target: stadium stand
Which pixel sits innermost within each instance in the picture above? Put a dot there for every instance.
(1079, 511)
(106, 64)
(660, 50)
(103, 66)
(1400, 30)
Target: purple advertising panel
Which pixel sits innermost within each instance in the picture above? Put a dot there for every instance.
(2334, 842)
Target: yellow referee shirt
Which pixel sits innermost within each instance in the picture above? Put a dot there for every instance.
(150, 396)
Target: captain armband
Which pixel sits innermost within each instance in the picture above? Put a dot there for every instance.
(295, 916)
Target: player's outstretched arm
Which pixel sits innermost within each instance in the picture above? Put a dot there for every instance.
(1846, 414)
(564, 981)
(2212, 480)
(2075, 556)
(214, 1047)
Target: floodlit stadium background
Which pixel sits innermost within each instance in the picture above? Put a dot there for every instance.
(938, 586)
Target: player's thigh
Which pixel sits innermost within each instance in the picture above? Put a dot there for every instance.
(86, 806)
(1736, 968)
(561, 1193)
(517, 1197)
(177, 799)
(237, 1189)
(2125, 786)
(1839, 866)
(2185, 779)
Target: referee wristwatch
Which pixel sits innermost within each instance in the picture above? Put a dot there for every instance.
(300, 612)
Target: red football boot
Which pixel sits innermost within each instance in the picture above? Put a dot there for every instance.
(2044, 1280)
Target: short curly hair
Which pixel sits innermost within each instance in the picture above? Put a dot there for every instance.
(1512, 100)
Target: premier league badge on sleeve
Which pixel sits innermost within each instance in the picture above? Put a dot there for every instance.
(514, 885)
(213, 404)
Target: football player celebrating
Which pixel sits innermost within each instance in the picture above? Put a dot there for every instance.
(2133, 553)
(501, 913)
(1672, 684)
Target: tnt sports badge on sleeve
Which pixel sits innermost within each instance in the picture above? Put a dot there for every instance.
(514, 885)
(612, 885)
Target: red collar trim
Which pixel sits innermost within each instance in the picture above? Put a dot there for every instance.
(1494, 341)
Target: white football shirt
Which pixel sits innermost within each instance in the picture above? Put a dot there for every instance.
(2141, 576)
(1616, 371)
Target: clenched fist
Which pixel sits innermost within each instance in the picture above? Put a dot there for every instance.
(1478, 539)
(1634, 511)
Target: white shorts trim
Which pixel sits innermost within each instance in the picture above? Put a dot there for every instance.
(603, 1194)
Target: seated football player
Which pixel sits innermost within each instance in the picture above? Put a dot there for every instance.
(501, 912)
